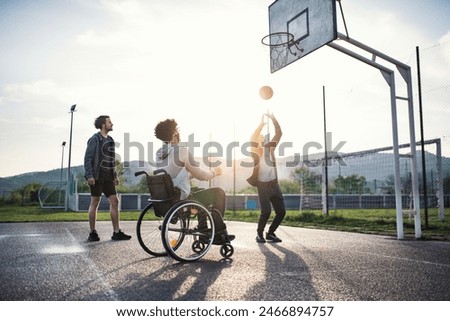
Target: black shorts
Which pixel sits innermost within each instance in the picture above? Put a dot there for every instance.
(104, 184)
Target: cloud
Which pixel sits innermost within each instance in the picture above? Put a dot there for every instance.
(445, 38)
(32, 91)
(202, 62)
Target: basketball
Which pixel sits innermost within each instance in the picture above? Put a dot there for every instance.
(266, 92)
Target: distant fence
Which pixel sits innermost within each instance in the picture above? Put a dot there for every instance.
(130, 202)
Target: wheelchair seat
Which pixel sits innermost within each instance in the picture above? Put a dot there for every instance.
(163, 194)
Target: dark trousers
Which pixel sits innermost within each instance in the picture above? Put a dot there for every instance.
(216, 198)
(269, 194)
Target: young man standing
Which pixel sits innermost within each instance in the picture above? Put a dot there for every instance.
(101, 176)
(264, 177)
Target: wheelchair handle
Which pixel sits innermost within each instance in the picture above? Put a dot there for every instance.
(159, 171)
(156, 172)
(140, 173)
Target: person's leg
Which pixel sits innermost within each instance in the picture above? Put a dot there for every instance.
(110, 192)
(265, 206)
(96, 194)
(92, 211)
(216, 197)
(118, 235)
(114, 212)
(211, 196)
(279, 209)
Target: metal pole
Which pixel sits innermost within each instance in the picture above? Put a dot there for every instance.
(61, 176)
(209, 158)
(326, 153)
(234, 171)
(406, 73)
(424, 168)
(390, 78)
(72, 110)
(439, 182)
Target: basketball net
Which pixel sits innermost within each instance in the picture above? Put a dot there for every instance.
(279, 43)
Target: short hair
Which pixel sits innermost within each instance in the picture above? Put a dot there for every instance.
(100, 120)
(165, 130)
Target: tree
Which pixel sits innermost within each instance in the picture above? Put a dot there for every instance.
(82, 186)
(141, 187)
(353, 184)
(248, 190)
(122, 187)
(27, 194)
(289, 186)
(308, 181)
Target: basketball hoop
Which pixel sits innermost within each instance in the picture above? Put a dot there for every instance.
(280, 44)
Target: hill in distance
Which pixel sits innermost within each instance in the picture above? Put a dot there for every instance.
(372, 166)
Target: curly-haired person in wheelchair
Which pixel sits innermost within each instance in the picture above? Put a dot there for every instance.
(179, 163)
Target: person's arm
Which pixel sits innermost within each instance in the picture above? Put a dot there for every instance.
(278, 133)
(254, 139)
(193, 168)
(89, 159)
(115, 175)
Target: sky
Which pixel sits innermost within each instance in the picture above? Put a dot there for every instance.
(202, 63)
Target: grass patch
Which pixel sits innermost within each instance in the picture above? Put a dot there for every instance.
(378, 221)
(363, 221)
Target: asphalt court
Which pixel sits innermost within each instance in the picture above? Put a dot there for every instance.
(54, 262)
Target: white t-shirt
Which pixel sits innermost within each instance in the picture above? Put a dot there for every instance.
(179, 163)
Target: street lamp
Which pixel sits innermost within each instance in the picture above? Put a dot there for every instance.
(61, 177)
(62, 160)
(72, 110)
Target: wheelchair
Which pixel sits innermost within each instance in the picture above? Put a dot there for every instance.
(184, 229)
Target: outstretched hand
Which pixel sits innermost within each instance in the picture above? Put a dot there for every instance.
(217, 171)
(269, 115)
(262, 123)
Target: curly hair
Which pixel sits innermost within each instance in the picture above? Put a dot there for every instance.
(100, 120)
(165, 130)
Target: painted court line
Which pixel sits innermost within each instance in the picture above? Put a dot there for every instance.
(405, 259)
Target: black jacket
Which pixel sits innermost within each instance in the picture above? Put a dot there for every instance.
(93, 157)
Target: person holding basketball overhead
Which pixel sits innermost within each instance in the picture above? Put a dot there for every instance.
(264, 177)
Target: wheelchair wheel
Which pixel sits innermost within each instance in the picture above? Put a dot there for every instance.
(226, 250)
(148, 232)
(188, 231)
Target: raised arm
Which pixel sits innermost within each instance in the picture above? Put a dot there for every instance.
(194, 169)
(278, 133)
(255, 138)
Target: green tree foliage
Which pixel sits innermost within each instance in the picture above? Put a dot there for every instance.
(82, 186)
(289, 186)
(308, 181)
(25, 195)
(352, 184)
(248, 190)
(122, 187)
(141, 187)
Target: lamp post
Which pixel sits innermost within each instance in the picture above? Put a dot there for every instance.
(61, 177)
(72, 110)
